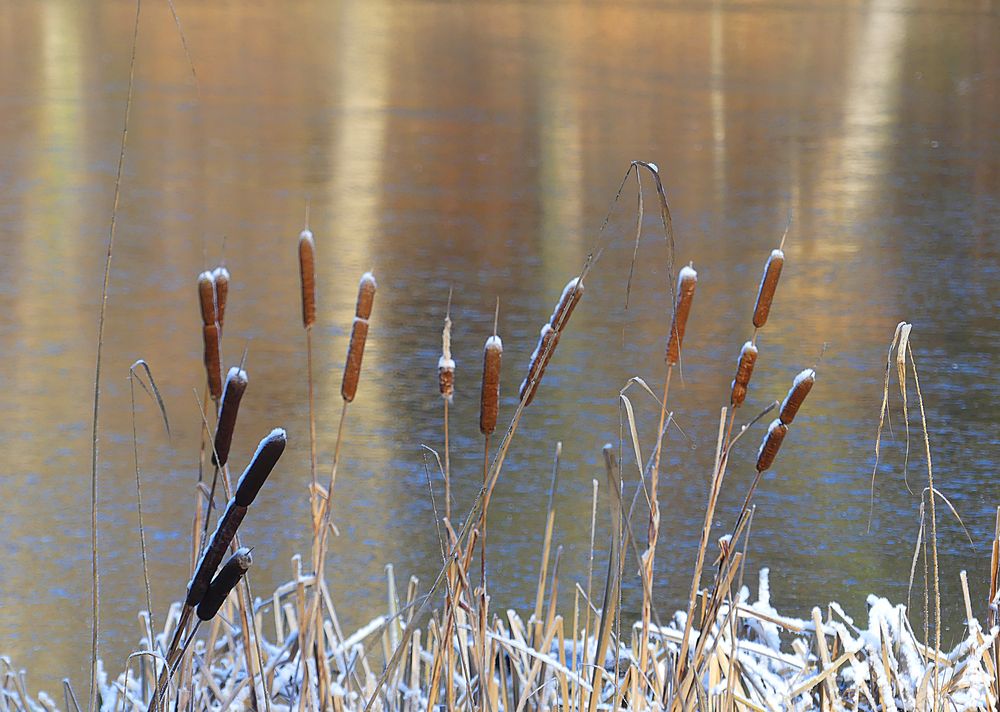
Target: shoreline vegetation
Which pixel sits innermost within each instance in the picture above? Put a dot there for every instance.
(448, 643)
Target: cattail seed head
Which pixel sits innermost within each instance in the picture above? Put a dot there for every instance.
(446, 365)
(232, 394)
(771, 444)
(769, 282)
(744, 370)
(366, 296)
(548, 339)
(216, 549)
(359, 334)
(687, 280)
(206, 296)
(232, 571)
(801, 386)
(213, 360)
(220, 275)
(261, 464)
(489, 402)
(571, 295)
(307, 272)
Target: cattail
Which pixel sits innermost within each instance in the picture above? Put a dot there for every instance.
(359, 332)
(307, 271)
(261, 464)
(216, 549)
(221, 277)
(548, 339)
(772, 271)
(776, 432)
(206, 295)
(489, 402)
(801, 386)
(232, 393)
(687, 280)
(446, 365)
(213, 361)
(571, 295)
(232, 571)
(744, 369)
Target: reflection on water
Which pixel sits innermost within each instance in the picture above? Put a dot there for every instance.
(479, 147)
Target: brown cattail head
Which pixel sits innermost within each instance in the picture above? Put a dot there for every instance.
(571, 295)
(366, 296)
(489, 402)
(307, 271)
(225, 581)
(220, 275)
(359, 333)
(263, 461)
(216, 549)
(801, 386)
(687, 280)
(232, 394)
(771, 444)
(446, 365)
(548, 339)
(206, 295)
(772, 271)
(744, 370)
(213, 360)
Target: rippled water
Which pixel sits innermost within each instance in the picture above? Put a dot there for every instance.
(478, 147)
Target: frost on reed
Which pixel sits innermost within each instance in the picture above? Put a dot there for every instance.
(548, 339)
(359, 333)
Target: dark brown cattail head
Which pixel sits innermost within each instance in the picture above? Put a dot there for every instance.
(744, 370)
(571, 295)
(221, 277)
(232, 571)
(548, 339)
(687, 280)
(359, 334)
(206, 296)
(769, 282)
(216, 549)
(261, 464)
(232, 394)
(489, 401)
(213, 359)
(771, 444)
(446, 365)
(307, 272)
(801, 386)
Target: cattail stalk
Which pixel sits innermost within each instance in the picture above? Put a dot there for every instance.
(210, 333)
(232, 394)
(768, 283)
(359, 333)
(687, 280)
(224, 582)
(220, 275)
(446, 386)
(307, 275)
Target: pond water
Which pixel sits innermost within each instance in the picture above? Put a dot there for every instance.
(477, 147)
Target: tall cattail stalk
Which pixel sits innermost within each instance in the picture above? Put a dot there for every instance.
(220, 275)
(768, 283)
(489, 407)
(307, 275)
(210, 333)
(548, 339)
(687, 281)
(744, 371)
(446, 386)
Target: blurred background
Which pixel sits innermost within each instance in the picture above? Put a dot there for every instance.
(478, 146)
